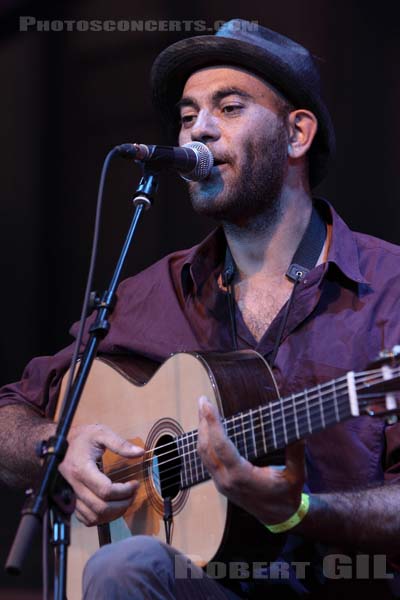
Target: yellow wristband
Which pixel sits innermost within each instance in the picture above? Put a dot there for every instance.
(294, 519)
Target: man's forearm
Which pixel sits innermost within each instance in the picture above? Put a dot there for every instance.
(20, 431)
(367, 520)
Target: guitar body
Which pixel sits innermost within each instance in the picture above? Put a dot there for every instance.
(153, 411)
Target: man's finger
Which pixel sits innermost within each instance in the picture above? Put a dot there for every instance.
(295, 458)
(214, 446)
(96, 509)
(107, 438)
(92, 478)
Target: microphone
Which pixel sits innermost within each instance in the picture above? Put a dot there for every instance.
(194, 160)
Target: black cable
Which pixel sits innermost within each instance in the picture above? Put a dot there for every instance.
(85, 305)
(232, 315)
(278, 338)
(74, 359)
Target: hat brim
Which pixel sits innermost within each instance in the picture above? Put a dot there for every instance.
(176, 63)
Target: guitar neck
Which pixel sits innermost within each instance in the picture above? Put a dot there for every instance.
(260, 431)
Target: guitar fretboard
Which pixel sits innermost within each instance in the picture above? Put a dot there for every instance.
(263, 430)
(260, 431)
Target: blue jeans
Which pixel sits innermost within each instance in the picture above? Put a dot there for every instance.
(143, 568)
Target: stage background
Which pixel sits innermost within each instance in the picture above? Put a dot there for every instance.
(67, 98)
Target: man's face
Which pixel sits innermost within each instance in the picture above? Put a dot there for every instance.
(237, 116)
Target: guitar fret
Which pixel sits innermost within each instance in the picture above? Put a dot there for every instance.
(335, 402)
(300, 410)
(273, 425)
(321, 406)
(283, 420)
(241, 434)
(252, 432)
(192, 471)
(244, 436)
(181, 453)
(315, 411)
(296, 424)
(308, 410)
(188, 459)
(189, 454)
(203, 471)
(194, 462)
(249, 435)
(234, 436)
(198, 461)
(291, 418)
(262, 430)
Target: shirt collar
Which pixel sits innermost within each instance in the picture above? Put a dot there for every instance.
(343, 249)
(202, 260)
(209, 255)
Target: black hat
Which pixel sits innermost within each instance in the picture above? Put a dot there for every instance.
(283, 63)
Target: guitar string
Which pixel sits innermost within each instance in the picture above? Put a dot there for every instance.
(279, 416)
(276, 413)
(191, 450)
(246, 447)
(257, 438)
(130, 471)
(198, 463)
(308, 396)
(248, 418)
(279, 406)
(176, 477)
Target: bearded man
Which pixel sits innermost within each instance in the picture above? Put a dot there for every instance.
(282, 275)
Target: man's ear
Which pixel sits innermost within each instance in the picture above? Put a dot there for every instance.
(302, 125)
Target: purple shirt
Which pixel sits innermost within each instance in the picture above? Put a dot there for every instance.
(343, 313)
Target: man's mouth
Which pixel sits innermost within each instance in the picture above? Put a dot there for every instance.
(217, 165)
(219, 162)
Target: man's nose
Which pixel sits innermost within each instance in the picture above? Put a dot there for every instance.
(205, 127)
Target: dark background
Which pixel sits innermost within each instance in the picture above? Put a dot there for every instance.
(67, 98)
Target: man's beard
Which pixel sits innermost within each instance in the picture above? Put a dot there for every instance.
(251, 197)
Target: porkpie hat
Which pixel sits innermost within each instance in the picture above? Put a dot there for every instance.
(281, 62)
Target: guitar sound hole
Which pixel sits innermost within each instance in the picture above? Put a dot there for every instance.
(166, 467)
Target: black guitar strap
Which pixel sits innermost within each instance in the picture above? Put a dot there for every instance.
(309, 249)
(304, 259)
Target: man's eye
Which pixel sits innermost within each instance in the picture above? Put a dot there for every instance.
(187, 119)
(231, 108)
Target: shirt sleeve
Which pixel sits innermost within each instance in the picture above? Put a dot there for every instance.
(40, 383)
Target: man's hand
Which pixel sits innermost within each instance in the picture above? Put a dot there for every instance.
(272, 495)
(98, 500)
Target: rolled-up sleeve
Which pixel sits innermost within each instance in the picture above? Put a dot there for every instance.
(40, 383)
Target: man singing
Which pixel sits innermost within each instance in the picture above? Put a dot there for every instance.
(283, 275)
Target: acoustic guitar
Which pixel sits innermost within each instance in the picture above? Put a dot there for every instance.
(129, 397)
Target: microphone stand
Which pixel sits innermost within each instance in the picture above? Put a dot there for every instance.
(53, 493)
